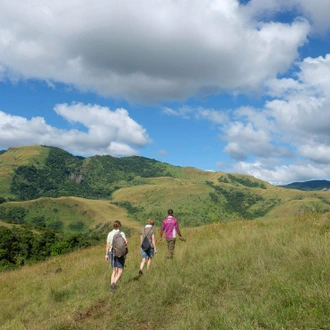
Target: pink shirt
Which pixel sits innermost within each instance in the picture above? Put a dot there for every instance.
(170, 226)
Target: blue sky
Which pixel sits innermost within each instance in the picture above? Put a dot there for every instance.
(240, 87)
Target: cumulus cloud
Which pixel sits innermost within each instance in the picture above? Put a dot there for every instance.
(106, 132)
(199, 113)
(282, 174)
(245, 140)
(293, 125)
(150, 51)
(317, 11)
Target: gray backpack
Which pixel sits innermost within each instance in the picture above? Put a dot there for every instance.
(119, 247)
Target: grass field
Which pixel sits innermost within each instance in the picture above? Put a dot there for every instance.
(239, 275)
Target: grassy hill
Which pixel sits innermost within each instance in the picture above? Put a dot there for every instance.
(255, 274)
(18, 156)
(144, 188)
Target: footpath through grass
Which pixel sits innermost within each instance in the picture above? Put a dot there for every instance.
(242, 275)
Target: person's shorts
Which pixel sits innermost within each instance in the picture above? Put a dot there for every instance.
(148, 254)
(116, 262)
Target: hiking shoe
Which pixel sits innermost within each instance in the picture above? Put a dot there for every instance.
(140, 272)
(113, 287)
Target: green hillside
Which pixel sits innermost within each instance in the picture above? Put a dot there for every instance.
(15, 157)
(145, 187)
(240, 275)
(36, 230)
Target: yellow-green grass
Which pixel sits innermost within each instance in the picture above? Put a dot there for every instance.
(18, 156)
(182, 196)
(92, 212)
(239, 275)
(161, 189)
(184, 193)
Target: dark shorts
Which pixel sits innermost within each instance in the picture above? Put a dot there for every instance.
(116, 262)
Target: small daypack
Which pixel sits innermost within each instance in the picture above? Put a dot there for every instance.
(119, 246)
(145, 242)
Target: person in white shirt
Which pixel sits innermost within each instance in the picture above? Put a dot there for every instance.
(117, 263)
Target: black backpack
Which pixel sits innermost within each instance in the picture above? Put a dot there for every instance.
(145, 242)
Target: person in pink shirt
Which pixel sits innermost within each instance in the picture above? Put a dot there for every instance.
(171, 228)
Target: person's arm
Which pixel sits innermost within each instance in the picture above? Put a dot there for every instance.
(154, 242)
(180, 236)
(178, 232)
(107, 249)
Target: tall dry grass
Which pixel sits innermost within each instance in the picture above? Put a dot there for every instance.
(241, 275)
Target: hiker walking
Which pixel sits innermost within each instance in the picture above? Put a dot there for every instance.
(115, 252)
(148, 244)
(171, 227)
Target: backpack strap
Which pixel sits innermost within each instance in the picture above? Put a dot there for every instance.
(146, 235)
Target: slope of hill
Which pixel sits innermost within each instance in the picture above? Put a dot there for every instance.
(13, 158)
(35, 230)
(146, 188)
(309, 185)
(238, 275)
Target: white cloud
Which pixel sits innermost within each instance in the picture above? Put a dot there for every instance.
(199, 113)
(217, 117)
(245, 141)
(317, 11)
(104, 123)
(108, 132)
(282, 174)
(163, 152)
(317, 152)
(149, 51)
(294, 125)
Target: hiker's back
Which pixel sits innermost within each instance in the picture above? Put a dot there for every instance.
(170, 226)
(119, 245)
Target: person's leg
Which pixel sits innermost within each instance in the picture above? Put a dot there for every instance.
(113, 278)
(149, 263)
(113, 275)
(151, 253)
(142, 264)
(170, 247)
(144, 258)
(118, 269)
(117, 276)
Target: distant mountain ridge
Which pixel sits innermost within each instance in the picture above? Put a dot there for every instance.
(143, 188)
(308, 185)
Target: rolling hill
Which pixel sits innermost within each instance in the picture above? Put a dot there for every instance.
(143, 188)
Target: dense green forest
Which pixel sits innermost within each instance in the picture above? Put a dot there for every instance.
(96, 177)
(27, 244)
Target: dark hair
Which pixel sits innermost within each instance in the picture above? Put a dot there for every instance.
(116, 224)
(170, 212)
